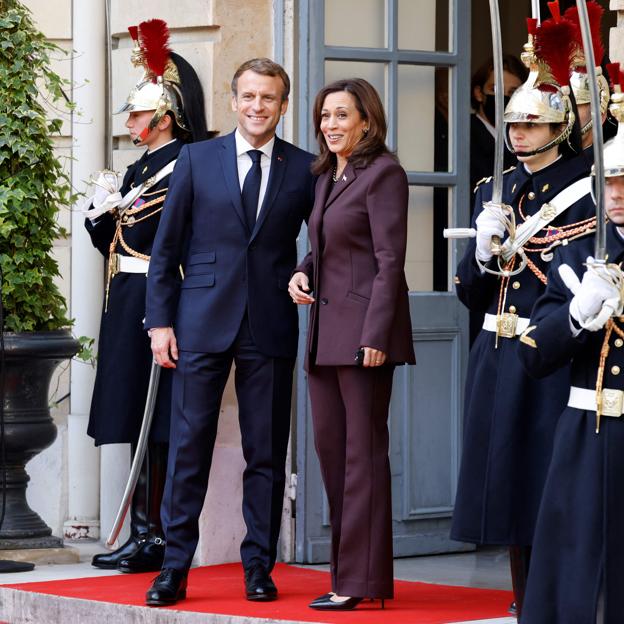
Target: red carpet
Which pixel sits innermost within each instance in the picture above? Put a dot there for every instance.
(219, 589)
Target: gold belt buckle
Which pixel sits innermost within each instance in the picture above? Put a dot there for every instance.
(506, 325)
(113, 264)
(612, 402)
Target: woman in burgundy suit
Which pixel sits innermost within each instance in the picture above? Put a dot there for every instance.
(359, 330)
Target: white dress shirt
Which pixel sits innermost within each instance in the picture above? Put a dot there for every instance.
(243, 163)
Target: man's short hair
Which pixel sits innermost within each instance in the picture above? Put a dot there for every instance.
(265, 67)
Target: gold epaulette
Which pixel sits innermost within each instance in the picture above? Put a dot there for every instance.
(488, 178)
(480, 182)
(526, 339)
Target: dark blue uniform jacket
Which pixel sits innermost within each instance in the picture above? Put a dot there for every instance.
(124, 355)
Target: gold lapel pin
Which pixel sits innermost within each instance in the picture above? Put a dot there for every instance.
(144, 169)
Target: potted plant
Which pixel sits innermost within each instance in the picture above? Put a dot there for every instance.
(36, 336)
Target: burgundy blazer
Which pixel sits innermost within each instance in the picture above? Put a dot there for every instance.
(358, 235)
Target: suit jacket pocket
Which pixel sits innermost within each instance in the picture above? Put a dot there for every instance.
(205, 257)
(200, 263)
(359, 298)
(205, 280)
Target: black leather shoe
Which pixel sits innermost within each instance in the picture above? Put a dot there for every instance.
(168, 587)
(334, 605)
(109, 561)
(148, 558)
(259, 585)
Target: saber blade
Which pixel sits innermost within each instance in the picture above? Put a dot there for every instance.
(139, 456)
(499, 102)
(600, 251)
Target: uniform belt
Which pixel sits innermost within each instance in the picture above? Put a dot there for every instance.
(507, 325)
(585, 399)
(127, 264)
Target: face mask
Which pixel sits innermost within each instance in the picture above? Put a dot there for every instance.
(489, 106)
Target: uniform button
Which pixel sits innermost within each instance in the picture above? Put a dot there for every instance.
(324, 301)
(512, 309)
(618, 342)
(531, 195)
(515, 285)
(615, 370)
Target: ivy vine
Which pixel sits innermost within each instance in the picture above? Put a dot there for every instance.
(33, 184)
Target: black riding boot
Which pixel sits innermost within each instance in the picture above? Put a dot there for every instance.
(151, 552)
(519, 559)
(139, 528)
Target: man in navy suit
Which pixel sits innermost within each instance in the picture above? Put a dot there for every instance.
(234, 209)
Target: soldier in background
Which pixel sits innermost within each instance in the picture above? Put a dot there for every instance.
(165, 111)
(576, 573)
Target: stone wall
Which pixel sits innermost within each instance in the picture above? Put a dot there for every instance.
(616, 37)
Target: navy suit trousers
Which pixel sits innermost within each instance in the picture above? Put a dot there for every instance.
(263, 389)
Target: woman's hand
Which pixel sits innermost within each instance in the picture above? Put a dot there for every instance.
(298, 287)
(373, 357)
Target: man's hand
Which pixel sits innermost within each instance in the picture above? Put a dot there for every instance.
(373, 357)
(164, 346)
(298, 287)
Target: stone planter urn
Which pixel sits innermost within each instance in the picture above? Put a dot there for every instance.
(30, 359)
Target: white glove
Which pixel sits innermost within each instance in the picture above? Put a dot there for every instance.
(597, 297)
(491, 222)
(106, 195)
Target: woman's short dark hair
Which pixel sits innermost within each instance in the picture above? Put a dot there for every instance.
(368, 103)
(511, 63)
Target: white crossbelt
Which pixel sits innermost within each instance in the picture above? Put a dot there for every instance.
(585, 399)
(115, 200)
(490, 323)
(548, 212)
(130, 264)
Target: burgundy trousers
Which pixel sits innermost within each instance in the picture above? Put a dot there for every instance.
(350, 415)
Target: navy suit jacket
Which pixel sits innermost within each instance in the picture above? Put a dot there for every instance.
(228, 269)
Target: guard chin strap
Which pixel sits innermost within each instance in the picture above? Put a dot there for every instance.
(565, 134)
(143, 135)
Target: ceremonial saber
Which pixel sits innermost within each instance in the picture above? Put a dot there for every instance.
(499, 142)
(600, 250)
(535, 11)
(139, 456)
(499, 104)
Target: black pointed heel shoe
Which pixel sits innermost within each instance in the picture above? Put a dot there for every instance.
(322, 598)
(323, 603)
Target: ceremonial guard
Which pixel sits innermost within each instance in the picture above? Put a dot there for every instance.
(165, 111)
(576, 574)
(509, 418)
(579, 78)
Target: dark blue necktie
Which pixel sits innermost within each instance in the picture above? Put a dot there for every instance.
(251, 189)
